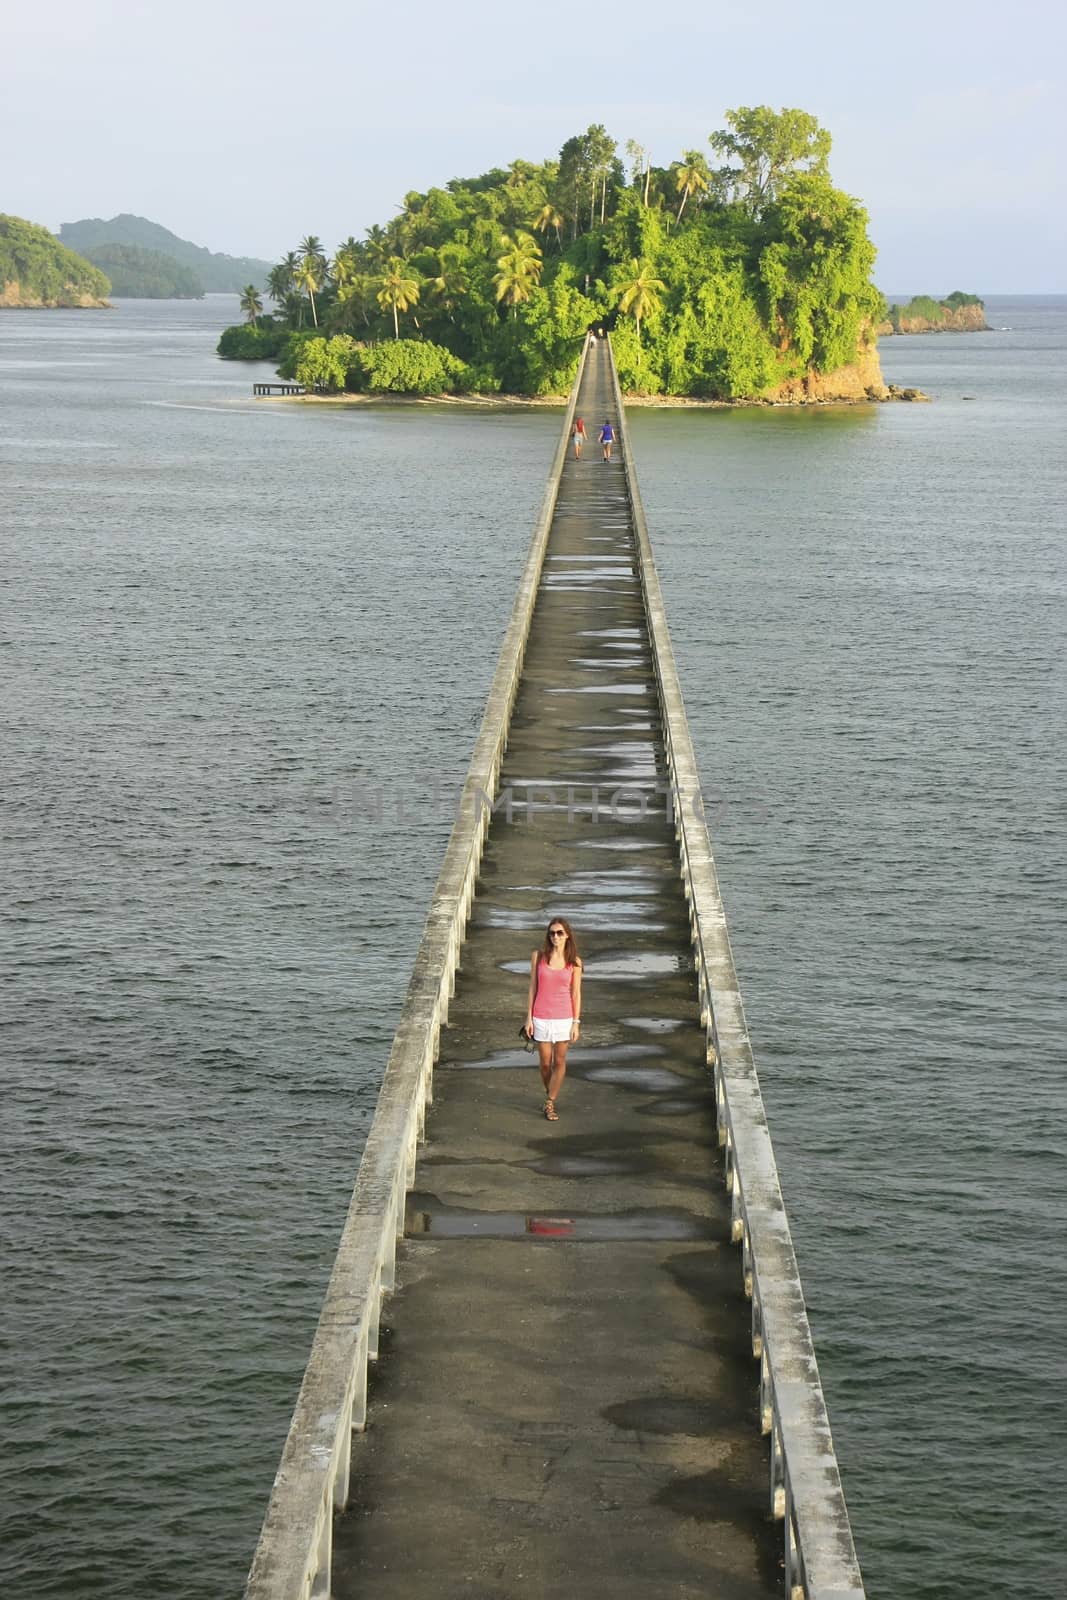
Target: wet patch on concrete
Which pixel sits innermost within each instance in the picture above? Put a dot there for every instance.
(655, 1024)
(426, 1214)
(575, 578)
(623, 748)
(596, 892)
(713, 1277)
(518, 1057)
(605, 916)
(609, 663)
(666, 1415)
(715, 1497)
(642, 1080)
(683, 1106)
(557, 1164)
(521, 1057)
(624, 804)
(613, 1052)
(630, 968)
(613, 633)
(611, 844)
(564, 1166)
(600, 688)
(583, 560)
(638, 964)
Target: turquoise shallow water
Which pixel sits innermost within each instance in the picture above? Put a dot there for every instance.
(246, 650)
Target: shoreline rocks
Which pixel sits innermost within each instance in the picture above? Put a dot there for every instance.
(12, 299)
(962, 319)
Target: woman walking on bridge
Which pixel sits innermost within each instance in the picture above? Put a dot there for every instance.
(554, 1006)
(579, 438)
(607, 438)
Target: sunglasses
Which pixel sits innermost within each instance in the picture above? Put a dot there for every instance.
(558, 933)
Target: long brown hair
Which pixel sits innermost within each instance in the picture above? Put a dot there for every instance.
(570, 944)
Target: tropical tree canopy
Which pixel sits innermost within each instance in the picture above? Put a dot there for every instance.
(399, 291)
(722, 280)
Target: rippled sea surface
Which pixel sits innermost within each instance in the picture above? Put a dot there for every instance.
(245, 648)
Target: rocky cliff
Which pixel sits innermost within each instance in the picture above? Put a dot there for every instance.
(931, 316)
(860, 380)
(14, 296)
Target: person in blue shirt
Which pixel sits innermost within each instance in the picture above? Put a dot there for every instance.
(607, 438)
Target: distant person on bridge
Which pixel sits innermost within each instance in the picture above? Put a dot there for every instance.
(607, 438)
(579, 438)
(554, 1006)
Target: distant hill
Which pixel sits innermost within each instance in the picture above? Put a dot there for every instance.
(219, 274)
(36, 270)
(138, 274)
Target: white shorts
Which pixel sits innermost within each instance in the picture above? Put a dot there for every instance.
(553, 1030)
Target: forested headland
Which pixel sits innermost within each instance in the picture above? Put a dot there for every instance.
(739, 272)
(214, 272)
(144, 274)
(36, 270)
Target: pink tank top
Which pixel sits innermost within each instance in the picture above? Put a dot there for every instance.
(552, 1001)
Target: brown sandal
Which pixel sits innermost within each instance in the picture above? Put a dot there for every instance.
(551, 1114)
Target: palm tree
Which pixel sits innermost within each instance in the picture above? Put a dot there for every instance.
(309, 277)
(251, 303)
(376, 244)
(691, 177)
(292, 306)
(519, 269)
(353, 300)
(550, 217)
(641, 160)
(451, 283)
(638, 295)
(345, 266)
(279, 283)
(399, 291)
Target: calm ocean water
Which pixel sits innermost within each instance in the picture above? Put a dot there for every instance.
(246, 648)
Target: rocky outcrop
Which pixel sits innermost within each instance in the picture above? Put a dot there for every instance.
(955, 319)
(860, 380)
(12, 297)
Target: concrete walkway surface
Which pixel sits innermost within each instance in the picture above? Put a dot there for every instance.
(565, 1401)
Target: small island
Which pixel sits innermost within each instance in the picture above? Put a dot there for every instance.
(957, 313)
(37, 271)
(737, 276)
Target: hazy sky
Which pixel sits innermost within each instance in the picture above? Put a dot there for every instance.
(244, 126)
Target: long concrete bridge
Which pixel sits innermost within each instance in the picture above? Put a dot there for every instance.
(591, 1374)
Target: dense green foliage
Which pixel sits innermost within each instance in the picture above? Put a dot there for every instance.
(394, 366)
(268, 340)
(219, 274)
(42, 269)
(922, 308)
(718, 281)
(144, 274)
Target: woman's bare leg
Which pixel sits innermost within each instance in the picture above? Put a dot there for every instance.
(544, 1051)
(559, 1071)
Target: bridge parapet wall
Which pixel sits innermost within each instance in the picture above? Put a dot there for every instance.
(805, 1482)
(293, 1558)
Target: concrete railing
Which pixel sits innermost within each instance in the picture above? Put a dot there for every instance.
(293, 1558)
(805, 1484)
